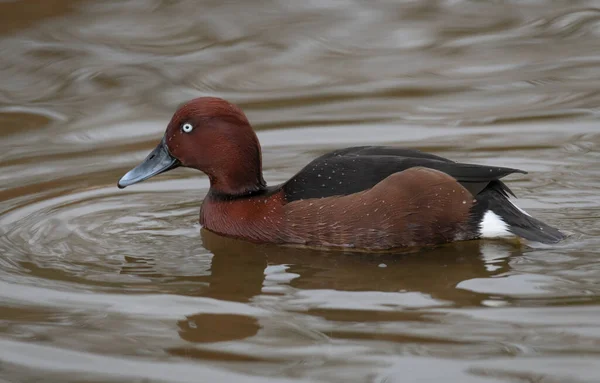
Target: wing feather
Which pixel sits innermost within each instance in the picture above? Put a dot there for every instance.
(355, 169)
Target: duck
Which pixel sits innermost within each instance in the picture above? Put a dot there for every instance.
(364, 198)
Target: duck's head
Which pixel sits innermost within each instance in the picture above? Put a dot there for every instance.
(213, 136)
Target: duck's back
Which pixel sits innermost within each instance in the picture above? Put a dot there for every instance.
(355, 169)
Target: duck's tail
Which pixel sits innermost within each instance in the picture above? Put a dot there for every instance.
(496, 216)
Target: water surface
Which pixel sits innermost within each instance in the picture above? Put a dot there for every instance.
(105, 285)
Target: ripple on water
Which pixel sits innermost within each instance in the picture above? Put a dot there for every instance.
(107, 238)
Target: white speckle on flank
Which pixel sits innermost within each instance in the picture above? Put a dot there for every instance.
(518, 208)
(492, 226)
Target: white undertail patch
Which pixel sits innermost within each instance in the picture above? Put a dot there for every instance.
(493, 226)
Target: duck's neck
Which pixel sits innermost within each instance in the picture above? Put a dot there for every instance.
(236, 185)
(239, 173)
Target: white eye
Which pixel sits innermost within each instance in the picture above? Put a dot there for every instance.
(187, 127)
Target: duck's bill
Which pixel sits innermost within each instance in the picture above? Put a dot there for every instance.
(158, 161)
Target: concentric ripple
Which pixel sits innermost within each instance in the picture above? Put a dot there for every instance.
(106, 238)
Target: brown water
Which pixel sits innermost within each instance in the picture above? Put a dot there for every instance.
(105, 285)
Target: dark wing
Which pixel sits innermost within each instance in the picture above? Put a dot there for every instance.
(355, 169)
(382, 151)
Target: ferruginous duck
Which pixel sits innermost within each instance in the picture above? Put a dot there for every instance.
(363, 198)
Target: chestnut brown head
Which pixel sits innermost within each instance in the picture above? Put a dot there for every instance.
(213, 136)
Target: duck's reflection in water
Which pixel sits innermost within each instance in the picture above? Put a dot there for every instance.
(238, 268)
(238, 274)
